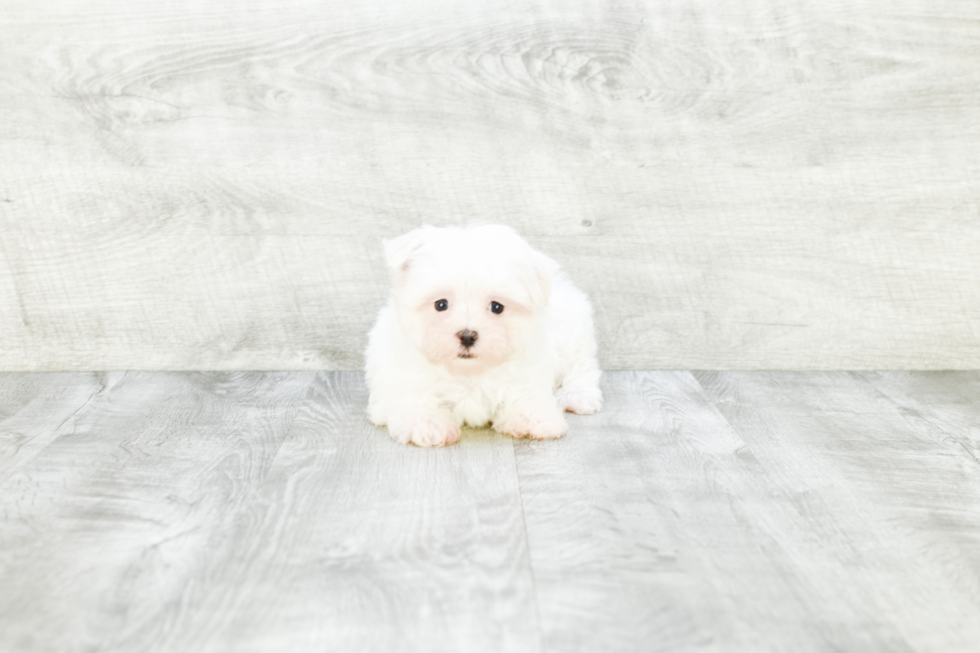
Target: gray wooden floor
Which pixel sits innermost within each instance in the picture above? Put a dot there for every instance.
(718, 511)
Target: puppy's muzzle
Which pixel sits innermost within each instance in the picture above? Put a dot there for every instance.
(467, 337)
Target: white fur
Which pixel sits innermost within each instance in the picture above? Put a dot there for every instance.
(529, 364)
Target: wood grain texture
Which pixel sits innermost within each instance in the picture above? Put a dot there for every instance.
(110, 531)
(713, 511)
(35, 409)
(357, 543)
(888, 507)
(758, 185)
(788, 513)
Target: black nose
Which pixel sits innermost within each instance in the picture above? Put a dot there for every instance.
(467, 337)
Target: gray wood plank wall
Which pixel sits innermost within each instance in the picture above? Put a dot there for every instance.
(758, 184)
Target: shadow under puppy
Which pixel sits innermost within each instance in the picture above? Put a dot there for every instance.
(480, 328)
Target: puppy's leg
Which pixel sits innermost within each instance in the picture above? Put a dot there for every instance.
(531, 414)
(425, 426)
(579, 392)
(411, 413)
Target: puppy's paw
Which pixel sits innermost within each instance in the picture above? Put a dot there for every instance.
(579, 400)
(428, 430)
(536, 423)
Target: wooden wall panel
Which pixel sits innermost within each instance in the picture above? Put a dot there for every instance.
(761, 184)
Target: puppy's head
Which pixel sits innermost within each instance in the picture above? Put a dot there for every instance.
(468, 298)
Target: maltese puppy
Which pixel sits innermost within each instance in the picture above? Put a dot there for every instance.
(480, 328)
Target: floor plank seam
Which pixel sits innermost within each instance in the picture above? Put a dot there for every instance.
(12, 472)
(931, 421)
(527, 548)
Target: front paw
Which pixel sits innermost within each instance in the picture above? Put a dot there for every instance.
(539, 423)
(581, 401)
(435, 429)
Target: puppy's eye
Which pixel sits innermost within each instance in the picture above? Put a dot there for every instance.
(496, 308)
(442, 304)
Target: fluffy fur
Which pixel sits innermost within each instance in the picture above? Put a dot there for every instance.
(432, 371)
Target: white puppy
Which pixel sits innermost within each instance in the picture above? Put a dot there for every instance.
(480, 328)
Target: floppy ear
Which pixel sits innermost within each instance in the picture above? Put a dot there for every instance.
(398, 251)
(544, 269)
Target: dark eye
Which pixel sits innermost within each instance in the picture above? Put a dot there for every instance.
(442, 304)
(496, 308)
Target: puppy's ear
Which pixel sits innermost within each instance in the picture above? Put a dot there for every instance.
(544, 271)
(398, 251)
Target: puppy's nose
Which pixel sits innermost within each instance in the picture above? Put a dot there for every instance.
(467, 337)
